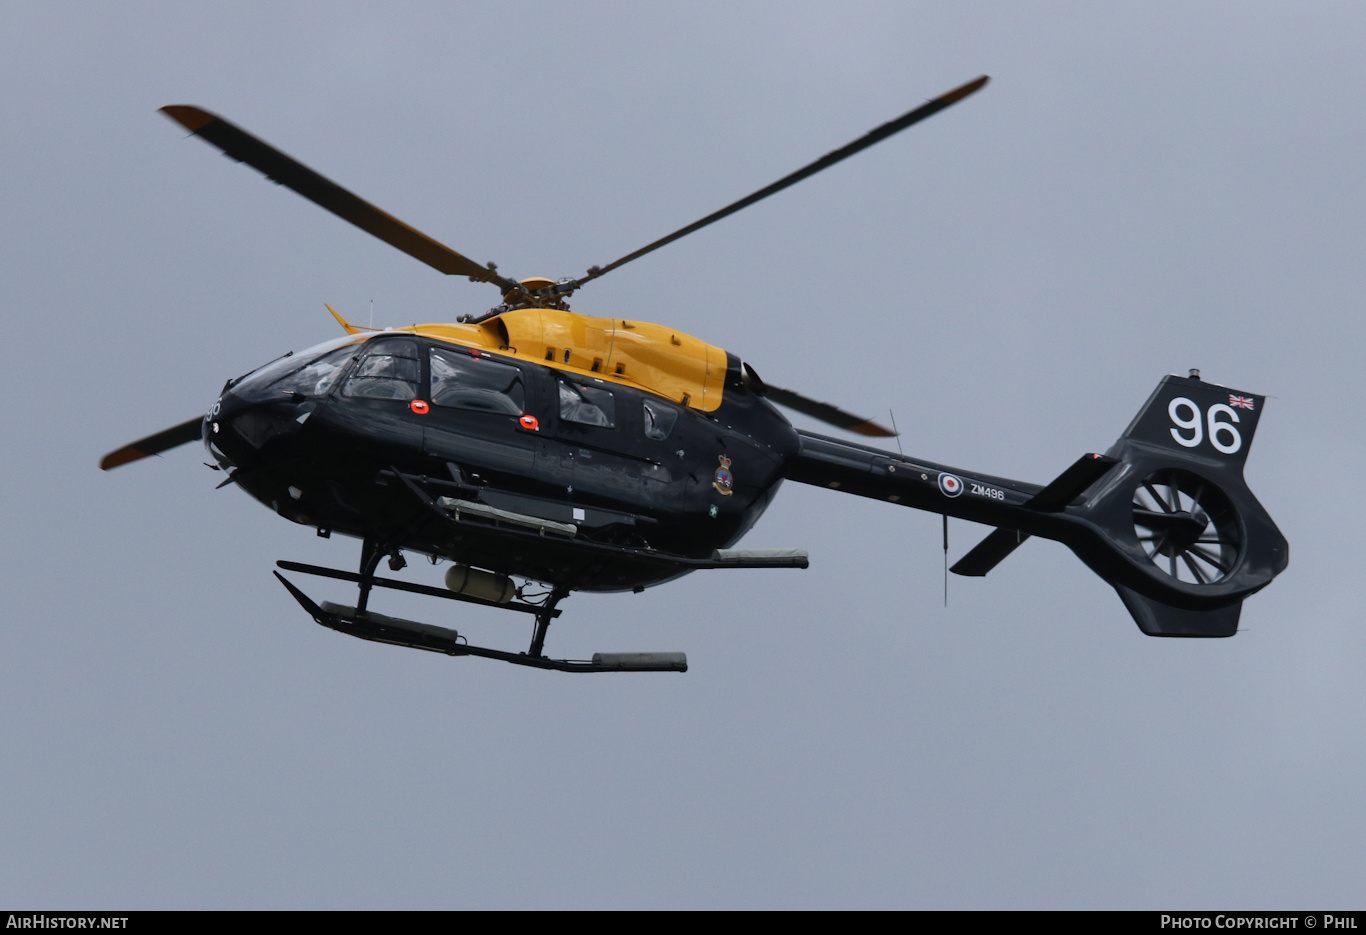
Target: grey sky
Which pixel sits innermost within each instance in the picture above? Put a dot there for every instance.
(1142, 188)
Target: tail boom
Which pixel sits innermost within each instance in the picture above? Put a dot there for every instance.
(1164, 515)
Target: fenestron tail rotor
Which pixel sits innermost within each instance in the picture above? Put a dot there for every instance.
(1187, 526)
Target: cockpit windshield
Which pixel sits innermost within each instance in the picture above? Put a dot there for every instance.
(318, 378)
(258, 385)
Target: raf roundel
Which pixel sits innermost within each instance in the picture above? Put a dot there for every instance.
(950, 485)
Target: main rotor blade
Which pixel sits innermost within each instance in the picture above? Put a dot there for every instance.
(181, 434)
(928, 109)
(284, 170)
(823, 412)
(831, 415)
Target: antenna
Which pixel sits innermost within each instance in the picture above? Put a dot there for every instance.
(897, 433)
(372, 314)
(946, 560)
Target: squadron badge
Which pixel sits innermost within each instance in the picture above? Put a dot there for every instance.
(722, 480)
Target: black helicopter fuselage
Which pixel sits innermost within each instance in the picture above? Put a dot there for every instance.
(397, 437)
(604, 454)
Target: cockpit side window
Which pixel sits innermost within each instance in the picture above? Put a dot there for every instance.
(659, 418)
(461, 381)
(587, 405)
(389, 370)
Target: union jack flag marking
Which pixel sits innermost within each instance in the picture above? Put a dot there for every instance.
(1240, 402)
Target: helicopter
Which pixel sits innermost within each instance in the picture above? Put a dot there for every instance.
(580, 453)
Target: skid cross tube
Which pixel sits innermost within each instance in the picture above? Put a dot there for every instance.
(543, 621)
(382, 629)
(397, 585)
(367, 625)
(370, 554)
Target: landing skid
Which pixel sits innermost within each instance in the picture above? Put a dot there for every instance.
(367, 625)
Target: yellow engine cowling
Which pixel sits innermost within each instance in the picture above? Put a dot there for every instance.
(652, 357)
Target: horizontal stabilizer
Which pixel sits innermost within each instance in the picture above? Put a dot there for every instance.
(1071, 483)
(1157, 619)
(1064, 488)
(989, 553)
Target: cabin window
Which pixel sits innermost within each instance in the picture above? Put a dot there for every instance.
(659, 418)
(587, 405)
(318, 378)
(464, 382)
(389, 370)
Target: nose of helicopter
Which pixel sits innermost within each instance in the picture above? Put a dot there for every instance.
(240, 433)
